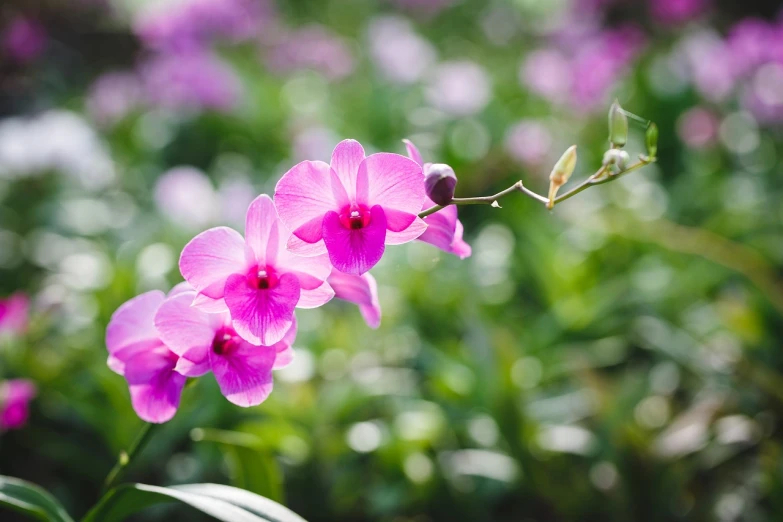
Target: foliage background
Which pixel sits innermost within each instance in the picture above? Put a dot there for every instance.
(616, 359)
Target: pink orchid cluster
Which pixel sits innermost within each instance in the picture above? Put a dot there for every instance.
(327, 226)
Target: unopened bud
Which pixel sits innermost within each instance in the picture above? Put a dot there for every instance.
(618, 125)
(652, 140)
(620, 158)
(564, 167)
(440, 182)
(560, 173)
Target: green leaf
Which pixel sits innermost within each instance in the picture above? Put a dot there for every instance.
(263, 507)
(28, 498)
(123, 501)
(252, 464)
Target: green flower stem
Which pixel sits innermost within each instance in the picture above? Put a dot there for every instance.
(125, 458)
(599, 178)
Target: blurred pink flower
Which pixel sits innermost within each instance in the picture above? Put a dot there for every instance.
(311, 47)
(444, 230)
(15, 397)
(137, 352)
(460, 88)
(24, 39)
(547, 72)
(190, 24)
(361, 290)
(190, 80)
(401, 55)
(528, 142)
(177, 189)
(582, 70)
(678, 11)
(698, 128)
(113, 96)
(352, 208)
(14, 314)
(255, 277)
(208, 342)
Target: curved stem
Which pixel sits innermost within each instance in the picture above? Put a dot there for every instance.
(599, 178)
(125, 458)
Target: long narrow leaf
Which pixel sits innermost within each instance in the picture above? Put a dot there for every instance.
(263, 507)
(32, 500)
(121, 502)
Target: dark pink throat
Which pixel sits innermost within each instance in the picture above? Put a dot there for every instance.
(262, 278)
(225, 341)
(355, 217)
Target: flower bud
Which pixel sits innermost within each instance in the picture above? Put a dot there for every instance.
(439, 182)
(564, 167)
(620, 158)
(618, 126)
(652, 140)
(560, 173)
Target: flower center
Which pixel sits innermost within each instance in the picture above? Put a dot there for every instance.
(225, 341)
(262, 278)
(355, 217)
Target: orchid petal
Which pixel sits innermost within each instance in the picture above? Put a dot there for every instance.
(306, 192)
(346, 158)
(210, 257)
(392, 181)
(245, 374)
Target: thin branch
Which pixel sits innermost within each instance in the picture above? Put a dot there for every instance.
(599, 178)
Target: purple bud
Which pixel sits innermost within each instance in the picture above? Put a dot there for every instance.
(439, 182)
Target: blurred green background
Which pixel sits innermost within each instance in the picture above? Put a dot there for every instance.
(616, 359)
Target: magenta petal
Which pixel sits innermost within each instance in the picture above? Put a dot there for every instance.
(355, 251)
(315, 297)
(209, 305)
(393, 181)
(245, 374)
(210, 257)
(346, 158)
(362, 291)
(306, 192)
(262, 233)
(183, 327)
(154, 385)
(304, 249)
(459, 247)
(310, 232)
(132, 329)
(284, 348)
(262, 316)
(413, 152)
(397, 221)
(444, 231)
(414, 231)
(194, 362)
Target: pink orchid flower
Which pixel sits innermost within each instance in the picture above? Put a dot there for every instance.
(360, 290)
(444, 230)
(254, 278)
(352, 208)
(15, 397)
(137, 352)
(14, 314)
(207, 342)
